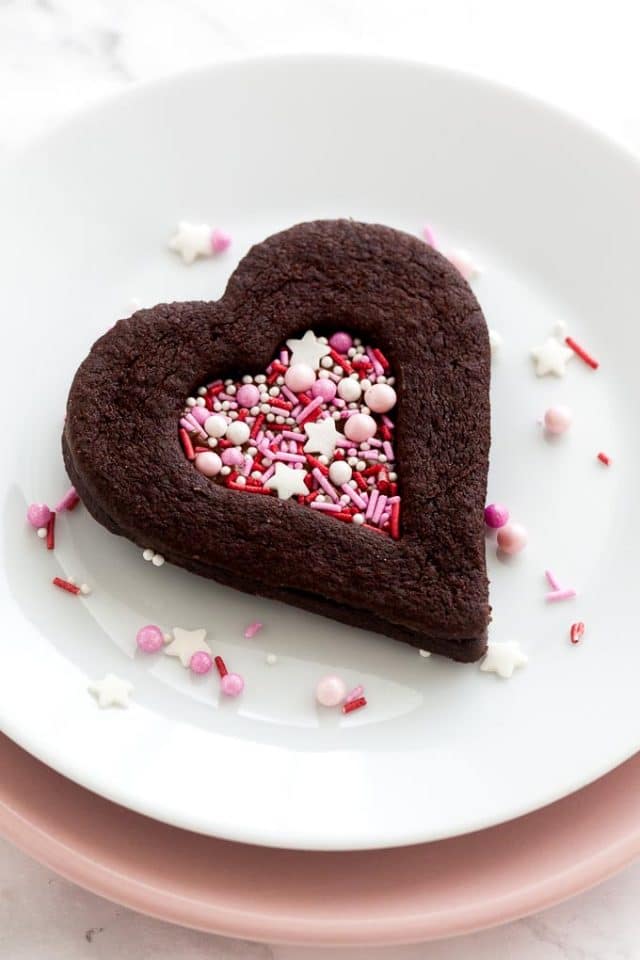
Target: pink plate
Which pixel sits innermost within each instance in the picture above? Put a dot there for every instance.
(376, 897)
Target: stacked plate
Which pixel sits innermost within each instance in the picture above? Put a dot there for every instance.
(455, 799)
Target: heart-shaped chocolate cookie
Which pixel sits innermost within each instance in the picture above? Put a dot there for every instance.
(233, 500)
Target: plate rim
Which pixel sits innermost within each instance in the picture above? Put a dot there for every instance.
(80, 863)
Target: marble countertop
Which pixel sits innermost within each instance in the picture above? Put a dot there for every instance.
(58, 55)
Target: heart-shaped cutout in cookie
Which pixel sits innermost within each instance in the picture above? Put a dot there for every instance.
(122, 447)
(317, 425)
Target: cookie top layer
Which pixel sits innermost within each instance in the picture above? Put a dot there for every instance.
(122, 444)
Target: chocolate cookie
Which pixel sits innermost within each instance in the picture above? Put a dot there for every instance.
(395, 542)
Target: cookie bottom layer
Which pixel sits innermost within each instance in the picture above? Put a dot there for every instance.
(464, 651)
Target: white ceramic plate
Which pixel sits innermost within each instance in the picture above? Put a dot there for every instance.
(552, 212)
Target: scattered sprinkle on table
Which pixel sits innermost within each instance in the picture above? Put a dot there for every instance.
(187, 642)
(576, 632)
(252, 630)
(604, 458)
(111, 691)
(503, 659)
(193, 240)
(582, 353)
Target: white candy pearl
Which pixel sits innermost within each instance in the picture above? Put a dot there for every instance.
(191, 401)
(349, 389)
(157, 560)
(216, 426)
(238, 432)
(339, 472)
(357, 518)
(147, 554)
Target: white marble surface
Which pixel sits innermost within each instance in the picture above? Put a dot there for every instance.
(56, 56)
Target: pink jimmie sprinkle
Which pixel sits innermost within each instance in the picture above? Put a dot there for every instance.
(308, 410)
(351, 493)
(561, 595)
(553, 583)
(324, 483)
(252, 629)
(429, 236)
(68, 502)
(328, 507)
(354, 694)
(220, 240)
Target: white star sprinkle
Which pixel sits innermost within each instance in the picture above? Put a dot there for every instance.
(503, 658)
(309, 350)
(551, 357)
(288, 482)
(192, 240)
(323, 437)
(111, 690)
(495, 342)
(185, 643)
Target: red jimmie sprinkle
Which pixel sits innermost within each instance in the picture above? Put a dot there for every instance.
(354, 705)
(221, 666)
(380, 357)
(65, 585)
(603, 458)
(51, 531)
(395, 520)
(340, 361)
(582, 353)
(577, 632)
(187, 446)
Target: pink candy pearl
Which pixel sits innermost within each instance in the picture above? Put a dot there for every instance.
(231, 684)
(38, 515)
(324, 388)
(558, 419)
(200, 414)
(341, 342)
(380, 398)
(248, 395)
(220, 240)
(150, 638)
(230, 457)
(495, 515)
(331, 690)
(512, 538)
(208, 464)
(299, 377)
(359, 427)
(200, 662)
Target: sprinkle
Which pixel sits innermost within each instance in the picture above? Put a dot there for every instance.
(68, 502)
(187, 446)
(221, 666)
(252, 629)
(577, 632)
(351, 493)
(424, 653)
(395, 520)
(352, 705)
(603, 458)
(309, 409)
(355, 694)
(66, 585)
(329, 507)
(429, 236)
(553, 583)
(326, 486)
(51, 531)
(380, 357)
(561, 595)
(582, 353)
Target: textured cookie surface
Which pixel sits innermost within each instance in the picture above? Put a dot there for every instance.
(121, 448)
